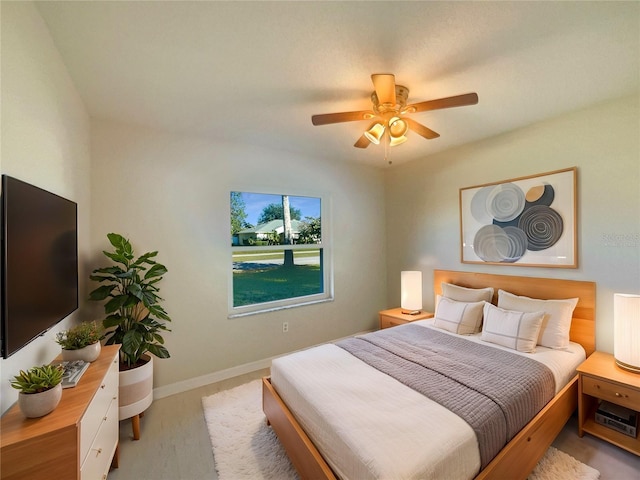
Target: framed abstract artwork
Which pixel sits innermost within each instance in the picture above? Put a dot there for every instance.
(527, 221)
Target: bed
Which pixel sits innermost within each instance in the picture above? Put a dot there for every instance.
(287, 417)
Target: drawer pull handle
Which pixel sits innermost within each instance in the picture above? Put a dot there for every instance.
(98, 451)
(102, 386)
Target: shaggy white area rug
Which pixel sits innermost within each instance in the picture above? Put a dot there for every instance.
(556, 465)
(244, 447)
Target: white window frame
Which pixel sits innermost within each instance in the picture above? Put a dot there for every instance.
(326, 253)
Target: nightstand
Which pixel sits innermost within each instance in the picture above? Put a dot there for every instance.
(601, 379)
(394, 317)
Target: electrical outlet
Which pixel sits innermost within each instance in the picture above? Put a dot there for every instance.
(285, 327)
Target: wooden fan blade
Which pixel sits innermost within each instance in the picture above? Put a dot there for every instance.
(362, 142)
(448, 102)
(385, 87)
(421, 129)
(327, 118)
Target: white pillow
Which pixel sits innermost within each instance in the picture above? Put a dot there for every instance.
(458, 317)
(557, 320)
(516, 330)
(464, 294)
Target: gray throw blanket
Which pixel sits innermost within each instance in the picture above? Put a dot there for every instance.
(494, 391)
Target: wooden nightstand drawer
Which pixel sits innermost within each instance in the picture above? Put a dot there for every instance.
(386, 321)
(611, 392)
(395, 317)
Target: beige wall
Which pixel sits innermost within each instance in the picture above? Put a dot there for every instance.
(602, 141)
(170, 193)
(45, 142)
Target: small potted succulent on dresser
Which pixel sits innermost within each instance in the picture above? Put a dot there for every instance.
(81, 342)
(40, 390)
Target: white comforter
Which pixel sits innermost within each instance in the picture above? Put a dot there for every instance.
(368, 425)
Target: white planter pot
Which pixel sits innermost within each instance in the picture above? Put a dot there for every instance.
(136, 389)
(34, 405)
(89, 353)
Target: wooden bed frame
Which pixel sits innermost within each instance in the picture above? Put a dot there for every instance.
(520, 455)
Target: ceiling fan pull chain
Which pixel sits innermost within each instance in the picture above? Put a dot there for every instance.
(386, 148)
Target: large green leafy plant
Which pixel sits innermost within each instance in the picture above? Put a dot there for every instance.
(133, 307)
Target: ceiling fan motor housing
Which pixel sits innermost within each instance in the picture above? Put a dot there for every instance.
(402, 93)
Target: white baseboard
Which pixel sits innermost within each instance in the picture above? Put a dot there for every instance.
(190, 384)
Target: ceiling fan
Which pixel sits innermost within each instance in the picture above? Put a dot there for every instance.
(388, 114)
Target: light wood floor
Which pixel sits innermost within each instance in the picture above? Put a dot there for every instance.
(175, 443)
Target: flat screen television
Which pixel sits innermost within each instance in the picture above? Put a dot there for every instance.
(39, 262)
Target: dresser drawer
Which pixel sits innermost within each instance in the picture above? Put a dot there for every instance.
(97, 409)
(98, 460)
(612, 392)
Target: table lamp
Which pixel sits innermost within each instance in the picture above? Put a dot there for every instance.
(411, 292)
(626, 331)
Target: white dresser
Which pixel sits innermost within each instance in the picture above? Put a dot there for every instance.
(78, 440)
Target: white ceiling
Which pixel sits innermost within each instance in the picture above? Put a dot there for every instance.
(255, 72)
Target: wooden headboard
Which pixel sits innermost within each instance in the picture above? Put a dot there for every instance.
(584, 316)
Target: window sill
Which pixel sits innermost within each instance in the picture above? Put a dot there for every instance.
(281, 307)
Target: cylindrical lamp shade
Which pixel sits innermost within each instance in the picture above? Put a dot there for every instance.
(626, 331)
(411, 292)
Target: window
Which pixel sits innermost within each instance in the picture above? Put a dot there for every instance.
(279, 252)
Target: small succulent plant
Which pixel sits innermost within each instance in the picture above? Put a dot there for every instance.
(38, 379)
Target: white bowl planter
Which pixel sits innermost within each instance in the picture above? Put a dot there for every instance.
(34, 405)
(89, 353)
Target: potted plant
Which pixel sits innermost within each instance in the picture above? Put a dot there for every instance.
(40, 390)
(135, 320)
(81, 342)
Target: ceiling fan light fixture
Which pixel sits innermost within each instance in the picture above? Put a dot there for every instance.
(389, 113)
(395, 141)
(397, 130)
(375, 133)
(397, 127)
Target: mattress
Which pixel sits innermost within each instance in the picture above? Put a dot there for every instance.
(368, 425)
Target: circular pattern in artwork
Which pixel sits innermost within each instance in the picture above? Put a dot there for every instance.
(505, 202)
(517, 244)
(491, 243)
(478, 206)
(542, 226)
(540, 195)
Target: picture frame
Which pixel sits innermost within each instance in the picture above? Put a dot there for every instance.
(526, 221)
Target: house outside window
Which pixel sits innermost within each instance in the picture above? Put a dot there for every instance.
(279, 252)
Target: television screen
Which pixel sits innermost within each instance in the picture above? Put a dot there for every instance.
(39, 262)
